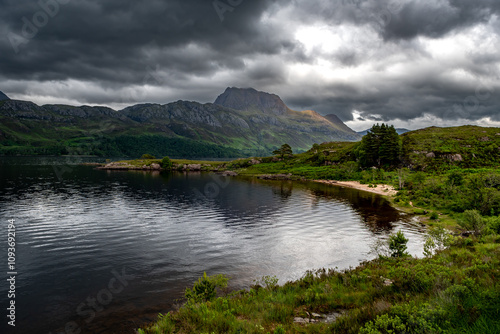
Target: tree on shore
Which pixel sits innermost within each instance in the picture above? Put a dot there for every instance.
(166, 163)
(380, 147)
(284, 150)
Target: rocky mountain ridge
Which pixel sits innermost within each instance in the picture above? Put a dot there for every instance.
(242, 119)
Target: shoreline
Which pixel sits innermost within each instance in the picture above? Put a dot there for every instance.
(380, 189)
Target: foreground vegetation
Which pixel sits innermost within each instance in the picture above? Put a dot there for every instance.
(454, 183)
(455, 291)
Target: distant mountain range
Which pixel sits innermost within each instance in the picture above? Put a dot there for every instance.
(241, 122)
(400, 131)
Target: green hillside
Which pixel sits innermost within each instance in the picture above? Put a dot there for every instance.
(464, 146)
(430, 149)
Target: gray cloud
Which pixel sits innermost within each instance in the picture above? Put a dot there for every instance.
(387, 59)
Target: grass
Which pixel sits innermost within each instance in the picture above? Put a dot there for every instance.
(455, 291)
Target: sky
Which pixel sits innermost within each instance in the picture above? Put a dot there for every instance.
(409, 63)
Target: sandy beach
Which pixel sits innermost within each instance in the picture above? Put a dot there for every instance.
(381, 189)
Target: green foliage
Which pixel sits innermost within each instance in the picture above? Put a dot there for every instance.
(474, 189)
(455, 178)
(173, 147)
(434, 216)
(205, 288)
(148, 157)
(384, 324)
(397, 245)
(166, 163)
(472, 221)
(493, 224)
(269, 282)
(440, 149)
(380, 147)
(284, 150)
(279, 330)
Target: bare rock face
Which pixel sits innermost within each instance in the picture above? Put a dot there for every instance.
(430, 155)
(155, 166)
(251, 99)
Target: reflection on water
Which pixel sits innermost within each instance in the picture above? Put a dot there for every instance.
(81, 230)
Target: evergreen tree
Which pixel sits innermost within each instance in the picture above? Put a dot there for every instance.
(381, 147)
(284, 150)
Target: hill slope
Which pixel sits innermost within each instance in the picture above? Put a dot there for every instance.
(3, 97)
(241, 122)
(464, 146)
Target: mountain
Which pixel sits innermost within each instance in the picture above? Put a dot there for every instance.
(337, 122)
(241, 122)
(3, 97)
(400, 131)
(250, 99)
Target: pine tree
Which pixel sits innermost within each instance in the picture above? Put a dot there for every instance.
(381, 147)
(284, 150)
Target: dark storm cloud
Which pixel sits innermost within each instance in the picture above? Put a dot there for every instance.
(119, 52)
(411, 99)
(435, 18)
(401, 19)
(115, 40)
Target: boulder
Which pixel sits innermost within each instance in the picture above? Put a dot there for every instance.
(454, 157)
(192, 167)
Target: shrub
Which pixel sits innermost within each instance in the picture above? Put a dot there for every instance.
(472, 221)
(147, 156)
(493, 224)
(205, 288)
(397, 245)
(434, 216)
(384, 324)
(279, 330)
(166, 163)
(270, 282)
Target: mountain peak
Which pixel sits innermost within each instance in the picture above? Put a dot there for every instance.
(335, 120)
(3, 97)
(249, 99)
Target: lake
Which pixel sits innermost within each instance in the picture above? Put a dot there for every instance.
(105, 252)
